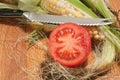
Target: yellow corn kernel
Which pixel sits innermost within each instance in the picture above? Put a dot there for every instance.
(62, 7)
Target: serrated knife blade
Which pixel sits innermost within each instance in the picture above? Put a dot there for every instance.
(57, 19)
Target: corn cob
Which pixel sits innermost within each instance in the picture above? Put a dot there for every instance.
(76, 8)
(63, 7)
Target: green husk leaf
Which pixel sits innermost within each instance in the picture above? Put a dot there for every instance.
(9, 6)
(101, 7)
(111, 34)
(105, 55)
(112, 40)
(115, 30)
(31, 5)
(30, 2)
(26, 5)
(83, 8)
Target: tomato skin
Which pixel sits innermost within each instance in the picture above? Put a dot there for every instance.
(69, 44)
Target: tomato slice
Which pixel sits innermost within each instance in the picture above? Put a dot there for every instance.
(69, 44)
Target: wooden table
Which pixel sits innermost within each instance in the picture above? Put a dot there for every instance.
(17, 61)
(17, 66)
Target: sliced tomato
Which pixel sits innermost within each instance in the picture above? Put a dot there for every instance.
(69, 44)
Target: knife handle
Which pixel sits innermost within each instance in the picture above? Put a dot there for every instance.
(10, 13)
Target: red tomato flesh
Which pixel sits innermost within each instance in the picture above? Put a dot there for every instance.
(69, 44)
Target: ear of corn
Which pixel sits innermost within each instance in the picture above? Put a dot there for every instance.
(30, 5)
(107, 57)
(101, 7)
(76, 8)
(83, 8)
(64, 7)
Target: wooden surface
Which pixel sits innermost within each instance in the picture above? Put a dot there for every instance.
(115, 4)
(15, 65)
(17, 61)
(115, 7)
(113, 74)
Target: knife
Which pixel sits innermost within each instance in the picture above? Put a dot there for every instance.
(54, 19)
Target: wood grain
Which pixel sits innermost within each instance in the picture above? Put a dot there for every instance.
(17, 61)
(115, 4)
(115, 7)
(15, 65)
(112, 74)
